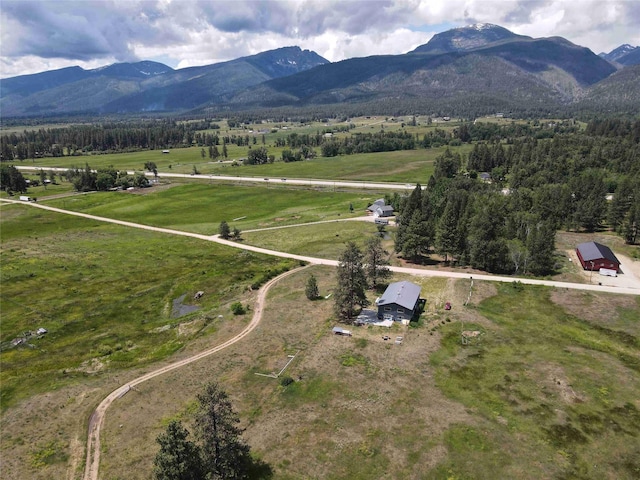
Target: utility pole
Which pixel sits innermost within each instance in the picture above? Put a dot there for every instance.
(591, 274)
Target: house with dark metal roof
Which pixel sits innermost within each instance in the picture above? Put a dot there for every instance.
(594, 256)
(400, 301)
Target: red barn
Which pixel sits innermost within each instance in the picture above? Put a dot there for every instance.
(594, 256)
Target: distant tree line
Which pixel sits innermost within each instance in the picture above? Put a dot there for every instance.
(104, 138)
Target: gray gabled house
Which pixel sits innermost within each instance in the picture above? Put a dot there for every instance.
(374, 206)
(400, 301)
(383, 211)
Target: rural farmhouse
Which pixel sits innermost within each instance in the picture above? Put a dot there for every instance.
(379, 208)
(399, 302)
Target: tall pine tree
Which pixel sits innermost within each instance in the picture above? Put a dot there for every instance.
(350, 295)
(225, 456)
(375, 261)
(178, 458)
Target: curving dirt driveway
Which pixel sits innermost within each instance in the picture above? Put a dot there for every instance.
(97, 417)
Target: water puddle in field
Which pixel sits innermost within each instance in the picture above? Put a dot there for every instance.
(180, 310)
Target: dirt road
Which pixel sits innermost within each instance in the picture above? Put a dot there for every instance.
(629, 290)
(97, 417)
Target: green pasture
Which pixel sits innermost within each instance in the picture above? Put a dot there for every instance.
(554, 395)
(409, 166)
(200, 207)
(105, 294)
(405, 166)
(324, 240)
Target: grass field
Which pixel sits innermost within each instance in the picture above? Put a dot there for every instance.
(538, 395)
(550, 389)
(199, 208)
(326, 240)
(105, 294)
(546, 387)
(409, 166)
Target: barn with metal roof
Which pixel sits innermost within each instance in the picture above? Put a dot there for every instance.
(594, 256)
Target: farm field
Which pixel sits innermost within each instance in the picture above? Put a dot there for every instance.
(199, 208)
(408, 166)
(536, 395)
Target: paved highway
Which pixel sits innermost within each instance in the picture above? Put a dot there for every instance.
(263, 180)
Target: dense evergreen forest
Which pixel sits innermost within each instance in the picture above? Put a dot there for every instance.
(536, 186)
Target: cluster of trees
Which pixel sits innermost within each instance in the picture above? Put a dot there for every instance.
(569, 177)
(465, 220)
(243, 140)
(225, 231)
(11, 180)
(86, 180)
(615, 127)
(218, 452)
(357, 271)
(297, 140)
(369, 142)
(555, 183)
(259, 156)
(302, 153)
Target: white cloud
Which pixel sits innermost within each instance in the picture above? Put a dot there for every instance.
(38, 35)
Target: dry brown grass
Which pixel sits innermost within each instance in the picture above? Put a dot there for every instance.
(384, 408)
(597, 309)
(361, 407)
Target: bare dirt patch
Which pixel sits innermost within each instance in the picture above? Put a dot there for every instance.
(597, 308)
(93, 365)
(553, 378)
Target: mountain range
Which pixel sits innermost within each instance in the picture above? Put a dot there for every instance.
(477, 69)
(623, 55)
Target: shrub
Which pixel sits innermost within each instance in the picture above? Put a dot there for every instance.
(237, 308)
(286, 381)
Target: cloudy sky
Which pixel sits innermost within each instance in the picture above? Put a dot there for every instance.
(39, 35)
